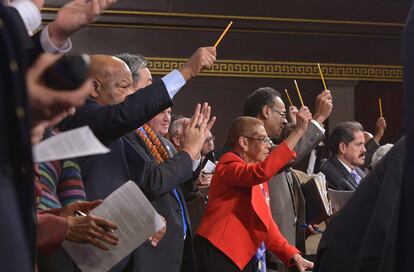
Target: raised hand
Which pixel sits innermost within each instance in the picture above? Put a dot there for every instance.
(380, 127)
(292, 114)
(195, 130)
(202, 59)
(323, 107)
(74, 16)
(302, 119)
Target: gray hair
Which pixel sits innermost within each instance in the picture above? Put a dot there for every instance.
(135, 63)
(381, 151)
(176, 126)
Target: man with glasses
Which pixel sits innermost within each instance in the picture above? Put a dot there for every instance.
(286, 199)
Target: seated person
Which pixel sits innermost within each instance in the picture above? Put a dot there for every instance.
(237, 225)
(342, 170)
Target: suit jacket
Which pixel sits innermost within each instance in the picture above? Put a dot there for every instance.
(338, 177)
(174, 252)
(355, 237)
(237, 218)
(286, 199)
(103, 174)
(18, 231)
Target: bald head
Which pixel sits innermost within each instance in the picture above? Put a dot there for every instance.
(112, 79)
(243, 126)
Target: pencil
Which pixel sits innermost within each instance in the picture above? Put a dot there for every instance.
(323, 79)
(288, 96)
(300, 96)
(222, 34)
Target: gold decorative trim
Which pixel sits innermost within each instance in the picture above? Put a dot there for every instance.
(287, 70)
(245, 18)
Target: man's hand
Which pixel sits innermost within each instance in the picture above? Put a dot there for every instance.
(301, 263)
(203, 58)
(195, 131)
(380, 127)
(323, 107)
(204, 180)
(292, 114)
(302, 119)
(48, 104)
(158, 235)
(74, 16)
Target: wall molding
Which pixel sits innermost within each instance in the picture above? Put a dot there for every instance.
(286, 70)
(244, 18)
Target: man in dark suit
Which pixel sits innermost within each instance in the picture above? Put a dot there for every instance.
(162, 175)
(18, 232)
(355, 238)
(342, 169)
(114, 111)
(286, 199)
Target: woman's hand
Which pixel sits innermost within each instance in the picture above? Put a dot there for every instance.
(301, 263)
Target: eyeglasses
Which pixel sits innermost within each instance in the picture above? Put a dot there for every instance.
(283, 114)
(263, 139)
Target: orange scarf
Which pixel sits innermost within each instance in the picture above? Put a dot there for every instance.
(154, 144)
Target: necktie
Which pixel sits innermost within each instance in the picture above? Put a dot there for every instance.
(356, 177)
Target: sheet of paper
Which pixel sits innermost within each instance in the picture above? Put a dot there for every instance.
(136, 219)
(69, 144)
(209, 167)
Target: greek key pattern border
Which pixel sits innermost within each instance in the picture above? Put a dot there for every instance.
(287, 70)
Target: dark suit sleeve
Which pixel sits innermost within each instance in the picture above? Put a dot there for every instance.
(371, 147)
(335, 178)
(111, 122)
(157, 179)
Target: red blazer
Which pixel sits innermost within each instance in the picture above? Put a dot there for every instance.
(237, 218)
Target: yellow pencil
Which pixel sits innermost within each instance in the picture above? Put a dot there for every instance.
(380, 107)
(300, 96)
(288, 96)
(222, 34)
(323, 79)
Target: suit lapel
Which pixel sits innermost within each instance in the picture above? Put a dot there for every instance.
(345, 172)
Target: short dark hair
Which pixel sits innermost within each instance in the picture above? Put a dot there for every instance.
(135, 63)
(258, 99)
(343, 132)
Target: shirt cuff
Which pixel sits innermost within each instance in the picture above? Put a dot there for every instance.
(29, 13)
(173, 81)
(318, 126)
(196, 163)
(48, 46)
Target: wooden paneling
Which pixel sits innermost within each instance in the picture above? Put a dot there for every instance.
(298, 32)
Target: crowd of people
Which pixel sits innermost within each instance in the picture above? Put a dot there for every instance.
(247, 213)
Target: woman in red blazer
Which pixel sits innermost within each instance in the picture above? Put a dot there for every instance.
(237, 225)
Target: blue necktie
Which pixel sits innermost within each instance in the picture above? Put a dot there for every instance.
(175, 192)
(356, 177)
